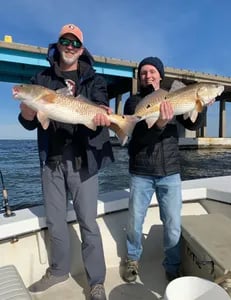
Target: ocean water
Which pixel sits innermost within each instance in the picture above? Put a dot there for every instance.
(19, 166)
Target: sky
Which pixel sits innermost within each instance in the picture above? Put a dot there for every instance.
(192, 35)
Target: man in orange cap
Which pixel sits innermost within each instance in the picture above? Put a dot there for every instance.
(72, 29)
(70, 157)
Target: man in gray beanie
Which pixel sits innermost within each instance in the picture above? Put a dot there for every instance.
(153, 61)
(154, 167)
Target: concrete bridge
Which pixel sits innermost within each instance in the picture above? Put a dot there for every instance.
(19, 62)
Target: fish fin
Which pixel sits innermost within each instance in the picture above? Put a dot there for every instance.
(91, 125)
(191, 115)
(199, 106)
(194, 113)
(150, 121)
(69, 90)
(176, 85)
(186, 115)
(44, 121)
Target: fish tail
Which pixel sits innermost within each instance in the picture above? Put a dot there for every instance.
(120, 134)
(123, 127)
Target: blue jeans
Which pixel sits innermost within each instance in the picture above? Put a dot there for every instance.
(169, 197)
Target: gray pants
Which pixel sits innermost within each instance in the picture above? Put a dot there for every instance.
(84, 191)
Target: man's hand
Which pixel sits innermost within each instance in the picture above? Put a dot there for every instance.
(27, 113)
(166, 114)
(102, 119)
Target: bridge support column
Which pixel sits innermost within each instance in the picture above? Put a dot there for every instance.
(118, 104)
(222, 119)
(134, 83)
(202, 132)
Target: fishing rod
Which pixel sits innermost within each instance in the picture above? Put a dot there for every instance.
(6, 206)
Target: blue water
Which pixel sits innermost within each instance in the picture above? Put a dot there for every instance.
(20, 169)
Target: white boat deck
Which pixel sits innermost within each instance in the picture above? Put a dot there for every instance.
(151, 283)
(22, 242)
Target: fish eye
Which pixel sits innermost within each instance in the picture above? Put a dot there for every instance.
(148, 106)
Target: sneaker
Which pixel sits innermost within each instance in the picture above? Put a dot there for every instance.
(131, 271)
(97, 292)
(171, 276)
(48, 280)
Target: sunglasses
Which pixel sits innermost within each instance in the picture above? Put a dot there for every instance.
(67, 42)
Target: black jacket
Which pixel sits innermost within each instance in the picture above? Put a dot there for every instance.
(155, 151)
(93, 147)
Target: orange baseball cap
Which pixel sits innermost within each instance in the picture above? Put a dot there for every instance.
(73, 29)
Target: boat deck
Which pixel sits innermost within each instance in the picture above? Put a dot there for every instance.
(23, 242)
(150, 286)
(151, 283)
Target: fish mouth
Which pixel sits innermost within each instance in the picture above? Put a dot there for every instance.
(15, 92)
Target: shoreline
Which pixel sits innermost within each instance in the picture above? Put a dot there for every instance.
(193, 143)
